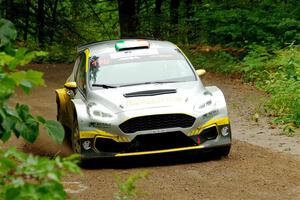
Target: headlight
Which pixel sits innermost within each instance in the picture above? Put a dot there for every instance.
(99, 112)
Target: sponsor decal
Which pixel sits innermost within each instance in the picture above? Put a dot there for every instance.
(141, 52)
(159, 131)
(100, 125)
(210, 114)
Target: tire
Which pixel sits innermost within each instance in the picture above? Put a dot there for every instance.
(75, 138)
(222, 151)
(58, 109)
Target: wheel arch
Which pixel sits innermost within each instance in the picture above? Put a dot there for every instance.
(79, 112)
(60, 103)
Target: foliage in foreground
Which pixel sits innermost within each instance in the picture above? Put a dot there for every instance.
(24, 176)
(127, 188)
(18, 120)
(27, 177)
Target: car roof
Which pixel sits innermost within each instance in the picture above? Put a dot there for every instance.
(96, 48)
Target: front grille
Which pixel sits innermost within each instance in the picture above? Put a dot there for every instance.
(148, 142)
(152, 122)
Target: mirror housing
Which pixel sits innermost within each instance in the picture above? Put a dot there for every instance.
(71, 85)
(200, 72)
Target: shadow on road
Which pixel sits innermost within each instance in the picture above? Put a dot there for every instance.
(168, 159)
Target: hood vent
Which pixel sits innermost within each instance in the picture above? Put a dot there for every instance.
(149, 93)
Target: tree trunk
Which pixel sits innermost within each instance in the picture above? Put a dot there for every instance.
(174, 6)
(25, 34)
(188, 9)
(40, 23)
(53, 21)
(157, 20)
(127, 18)
(9, 10)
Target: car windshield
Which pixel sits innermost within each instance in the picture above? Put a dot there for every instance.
(139, 67)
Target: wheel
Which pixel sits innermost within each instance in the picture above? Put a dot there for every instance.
(75, 138)
(58, 109)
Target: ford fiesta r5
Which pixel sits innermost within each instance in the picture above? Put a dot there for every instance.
(137, 97)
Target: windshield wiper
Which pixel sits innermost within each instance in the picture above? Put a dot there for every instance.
(150, 82)
(104, 86)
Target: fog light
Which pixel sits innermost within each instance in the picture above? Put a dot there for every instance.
(87, 145)
(225, 131)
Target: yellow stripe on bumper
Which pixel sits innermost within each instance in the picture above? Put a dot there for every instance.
(159, 151)
(210, 123)
(95, 133)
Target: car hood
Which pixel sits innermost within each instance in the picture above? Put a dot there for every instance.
(147, 96)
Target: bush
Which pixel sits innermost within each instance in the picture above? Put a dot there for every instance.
(27, 177)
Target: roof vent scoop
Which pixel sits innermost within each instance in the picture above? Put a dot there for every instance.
(149, 93)
(124, 45)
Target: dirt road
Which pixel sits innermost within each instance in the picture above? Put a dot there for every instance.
(267, 171)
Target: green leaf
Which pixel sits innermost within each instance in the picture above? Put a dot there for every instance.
(26, 86)
(35, 77)
(28, 79)
(53, 176)
(18, 76)
(55, 130)
(41, 119)
(18, 57)
(8, 32)
(8, 163)
(8, 123)
(5, 136)
(7, 87)
(5, 58)
(29, 134)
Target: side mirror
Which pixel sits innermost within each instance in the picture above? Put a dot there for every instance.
(200, 72)
(71, 85)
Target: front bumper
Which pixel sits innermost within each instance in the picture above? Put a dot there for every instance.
(99, 144)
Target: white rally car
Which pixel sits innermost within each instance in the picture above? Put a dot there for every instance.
(136, 97)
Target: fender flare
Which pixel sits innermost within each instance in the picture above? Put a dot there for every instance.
(60, 100)
(219, 96)
(80, 112)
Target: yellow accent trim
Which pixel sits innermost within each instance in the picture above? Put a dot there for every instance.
(71, 85)
(87, 55)
(200, 72)
(61, 95)
(182, 53)
(210, 123)
(103, 134)
(159, 151)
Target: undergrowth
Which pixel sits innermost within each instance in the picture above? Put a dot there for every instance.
(127, 188)
(272, 69)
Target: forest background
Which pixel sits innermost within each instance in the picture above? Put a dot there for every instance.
(255, 39)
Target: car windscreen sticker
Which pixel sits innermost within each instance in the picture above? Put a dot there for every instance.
(134, 53)
(103, 61)
(96, 62)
